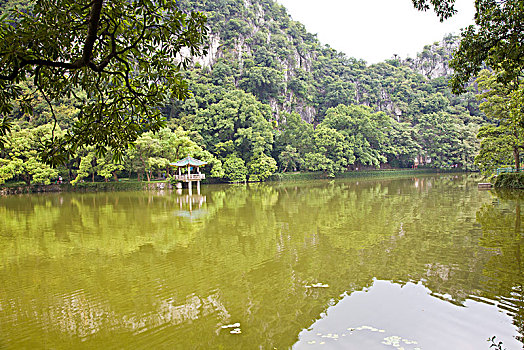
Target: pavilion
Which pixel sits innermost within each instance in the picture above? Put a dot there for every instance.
(186, 176)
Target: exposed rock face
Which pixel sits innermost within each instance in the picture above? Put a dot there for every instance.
(433, 61)
(236, 32)
(213, 51)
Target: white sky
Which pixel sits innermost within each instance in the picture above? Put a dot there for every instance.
(374, 30)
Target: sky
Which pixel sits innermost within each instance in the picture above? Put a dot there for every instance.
(375, 30)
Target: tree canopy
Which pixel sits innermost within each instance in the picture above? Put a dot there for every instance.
(503, 139)
(119, 59)
(496, 39)
(496, 42)
(443, 8)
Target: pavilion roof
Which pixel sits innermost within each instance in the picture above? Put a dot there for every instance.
(188, 161)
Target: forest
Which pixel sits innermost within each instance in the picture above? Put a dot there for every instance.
(268, 97)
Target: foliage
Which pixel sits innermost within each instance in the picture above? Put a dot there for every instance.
(290, 158)
(497, 40)
(261, 167)
(118, 59)
(510, 180)
(238, 124)
(443, 8)
(447, 140)
(20, 156)
(332, 154)
(235, 169)
(503, 139)
(263, 82)
(363, 130)
(292, 141)
(495, 345)
(400, 146)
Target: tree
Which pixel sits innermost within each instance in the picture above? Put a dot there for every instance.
(502, 140)
(86, 165)
(235, 169)
(363, 129)
(293, 141)
(290, 158)
(332, 152)
(261, 167)
(496, 39)
(495, 150)
(400, 146)
(263, 82)
(443, 8)
(123, 55)
(239, 120)
(155, 151)
(441, 136)
(19, 156)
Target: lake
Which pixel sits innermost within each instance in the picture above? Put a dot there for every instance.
(427, 262)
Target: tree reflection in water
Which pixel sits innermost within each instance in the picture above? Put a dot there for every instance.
(502, 233)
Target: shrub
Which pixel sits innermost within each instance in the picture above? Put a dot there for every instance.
(261, 167)
(235, 169)
(510, 180)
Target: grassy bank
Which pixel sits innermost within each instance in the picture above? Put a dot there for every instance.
(304, 176)
(131, 185)
(134, 185)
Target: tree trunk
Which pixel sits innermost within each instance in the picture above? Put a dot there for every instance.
(93, 177)
(517, 218)
(516, 154)
(27, 179)
(69, 170)
(115, 176)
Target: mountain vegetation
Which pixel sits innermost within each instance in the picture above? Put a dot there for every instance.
(266, 96)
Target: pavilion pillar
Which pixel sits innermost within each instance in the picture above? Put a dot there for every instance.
(198, 182)
(189, 185)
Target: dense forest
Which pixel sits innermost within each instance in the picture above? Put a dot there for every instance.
(269, 97)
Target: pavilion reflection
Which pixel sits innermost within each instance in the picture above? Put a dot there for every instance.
(191, 206)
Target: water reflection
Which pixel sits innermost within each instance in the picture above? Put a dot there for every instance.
(388, 315)
(142, 269)
(190, 206)
(501, 223)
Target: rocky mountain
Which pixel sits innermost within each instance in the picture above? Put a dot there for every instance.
(433, 60)
(255, 45)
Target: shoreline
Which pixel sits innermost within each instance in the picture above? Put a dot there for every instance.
(165, 185)
(303, 176)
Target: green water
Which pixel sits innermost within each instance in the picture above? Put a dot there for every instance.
(415, 263)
